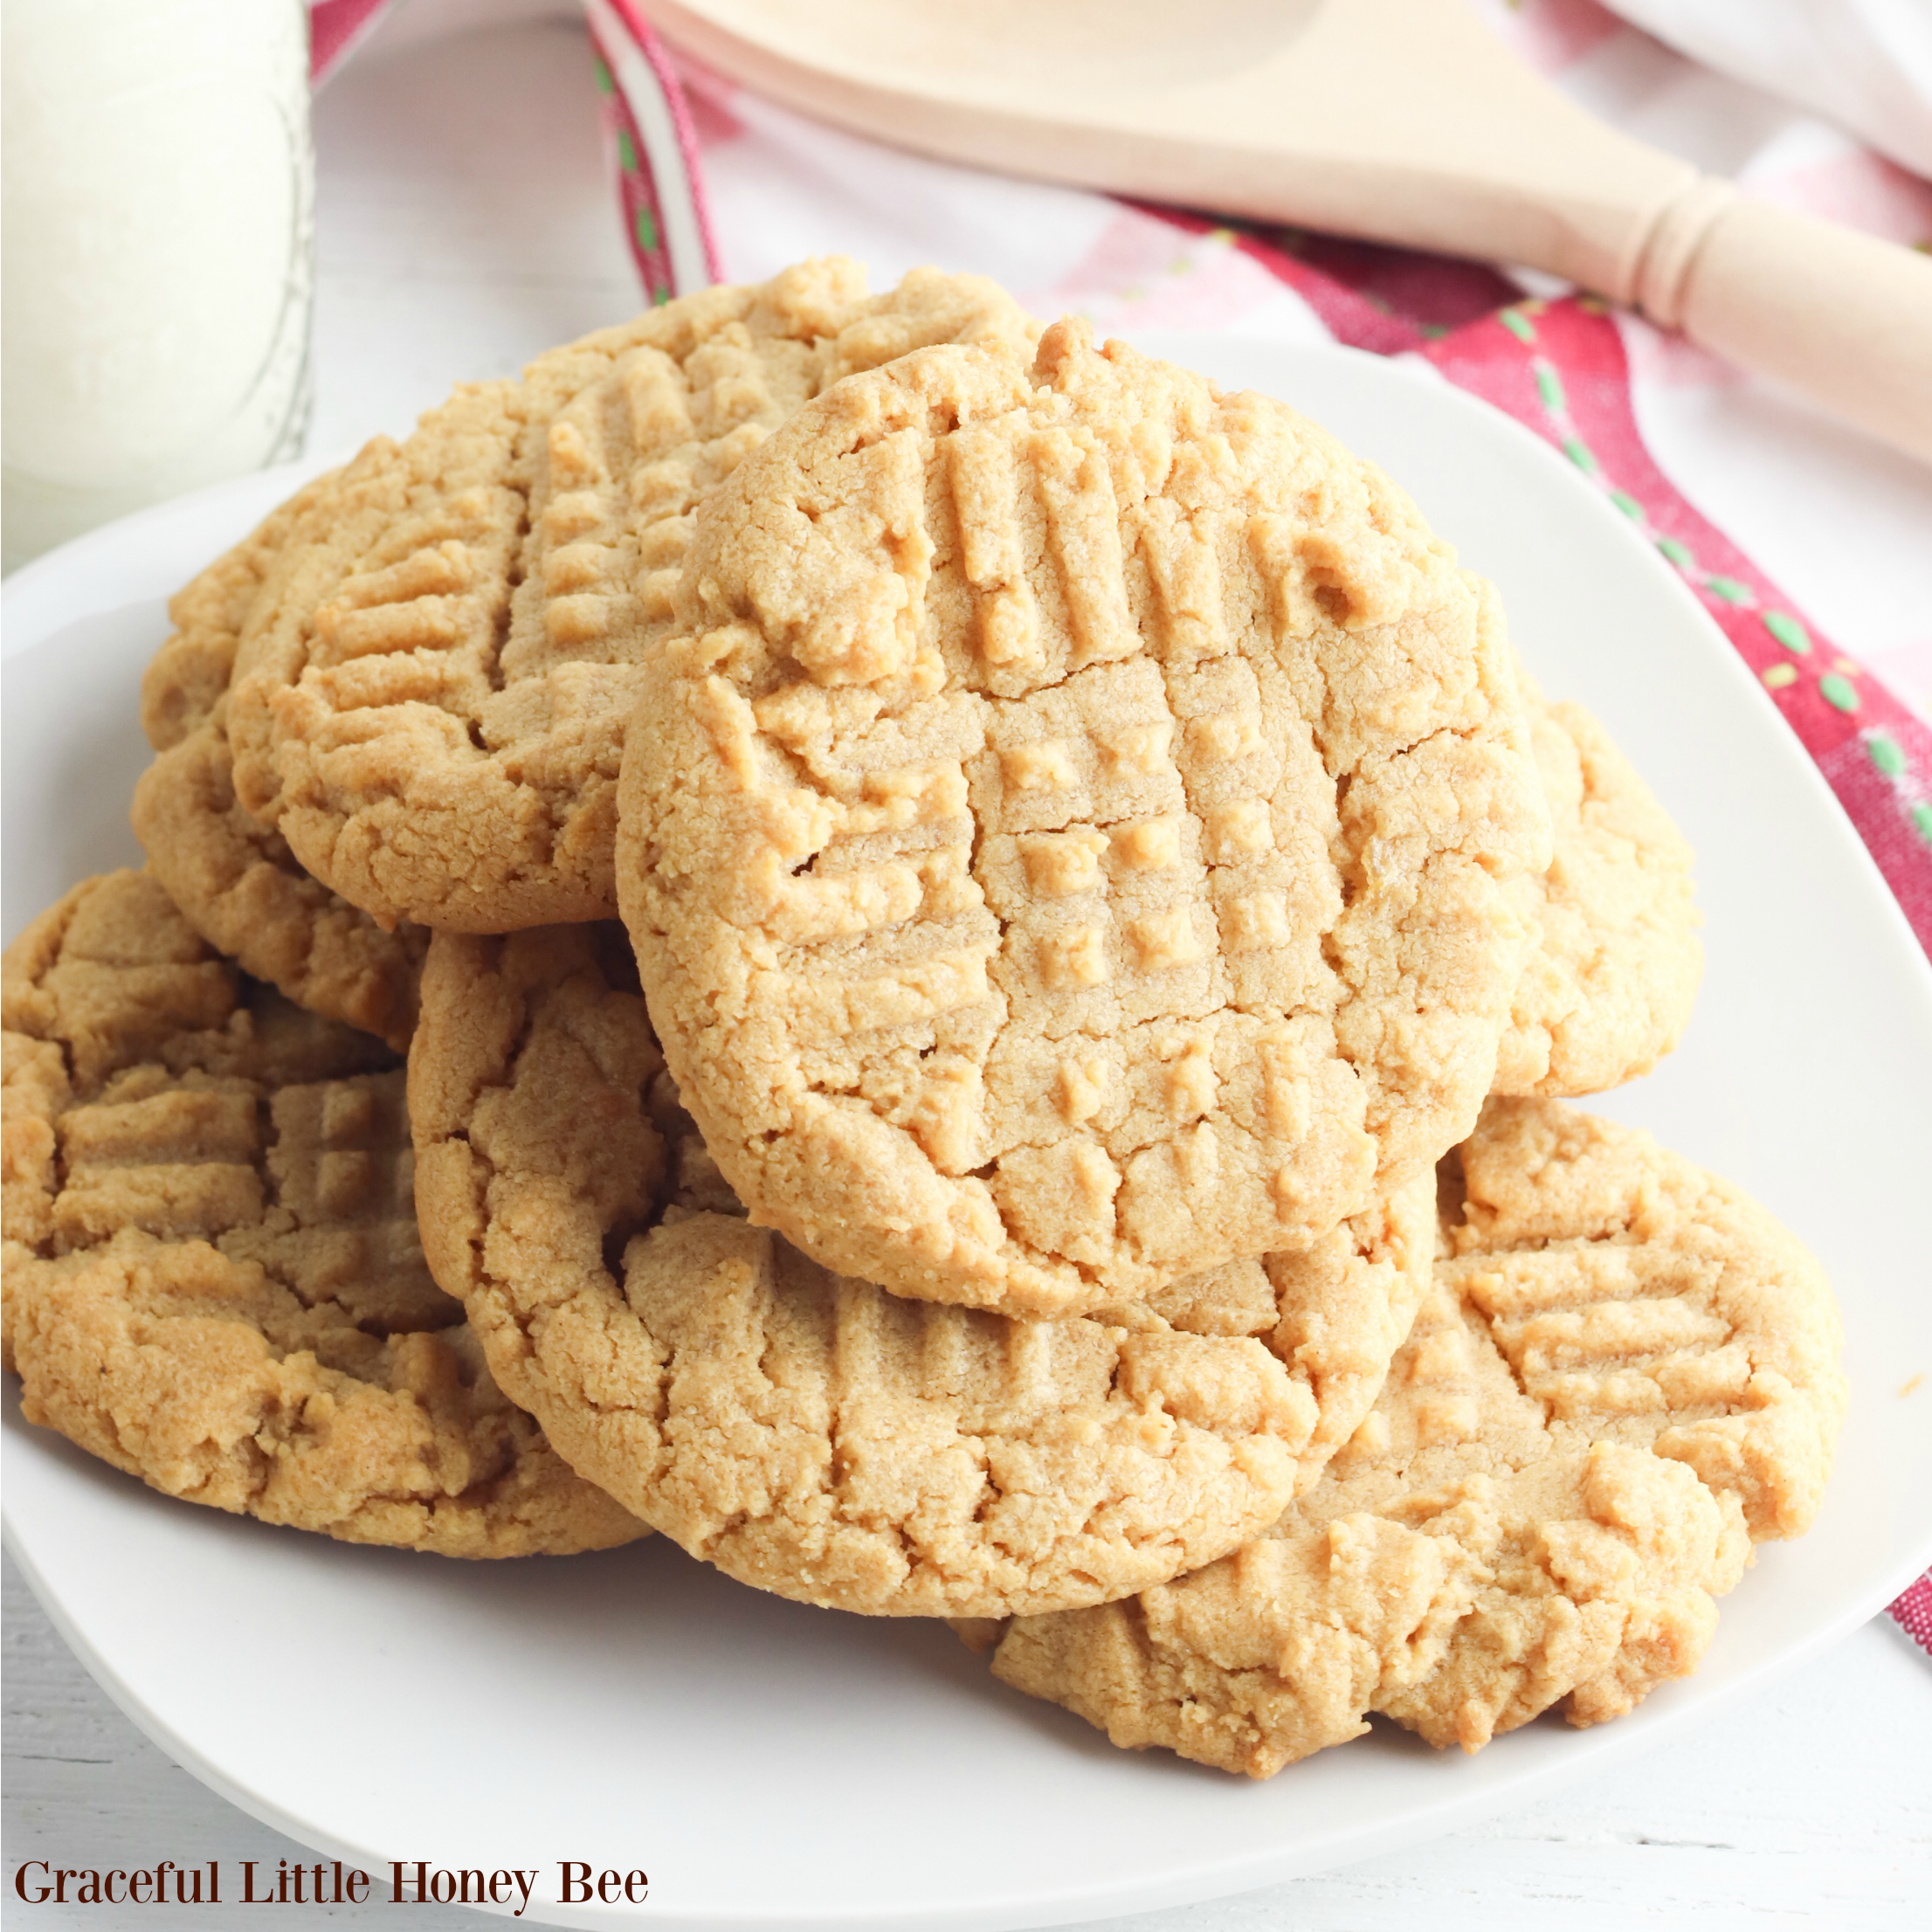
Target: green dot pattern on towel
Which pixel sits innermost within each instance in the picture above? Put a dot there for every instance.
(602, 74)
(1884, 752)
(627, 151)
(646, 230)
(1922, 819)
(1835, 687)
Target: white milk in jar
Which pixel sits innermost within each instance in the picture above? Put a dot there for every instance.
(157, 196)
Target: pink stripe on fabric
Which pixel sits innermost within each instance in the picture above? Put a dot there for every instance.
(1561, 368)
(1913, 1611)
(1383, 299)
(658, 60)
(637, 181)
(337, 27)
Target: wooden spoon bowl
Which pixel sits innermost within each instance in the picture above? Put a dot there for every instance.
(1402, 121)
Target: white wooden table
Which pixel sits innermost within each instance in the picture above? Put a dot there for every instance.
(464, 225)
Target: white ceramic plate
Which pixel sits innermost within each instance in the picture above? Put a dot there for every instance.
(771, 1765)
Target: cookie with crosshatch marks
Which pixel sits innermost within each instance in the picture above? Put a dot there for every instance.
(211, 1276)
(231, 877)
(429, 694)
(1610, 984)
(819, 1437)
(236, 882)
(1626, 1373)
(188, 677)
(1067, 842)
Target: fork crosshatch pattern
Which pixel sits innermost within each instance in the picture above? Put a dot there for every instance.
(1068, 840)
(429, 700)
(213, 1278)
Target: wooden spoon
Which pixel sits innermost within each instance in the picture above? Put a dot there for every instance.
(1405, 120)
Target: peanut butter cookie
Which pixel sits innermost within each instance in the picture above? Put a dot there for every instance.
(237, 883)
(429, 697)
(189, 673)
(1626, 1374)
(1608, 987)
(231, 877)
(1068, 842)
(211, 1272)
(815, 1436)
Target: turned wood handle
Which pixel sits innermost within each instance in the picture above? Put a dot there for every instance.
(1839, 315)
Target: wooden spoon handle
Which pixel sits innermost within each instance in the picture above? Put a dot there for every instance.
(1839, 315)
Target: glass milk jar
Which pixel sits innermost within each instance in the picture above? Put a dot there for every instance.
(157, 196)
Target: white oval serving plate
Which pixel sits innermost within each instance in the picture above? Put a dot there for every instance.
(770, 1765)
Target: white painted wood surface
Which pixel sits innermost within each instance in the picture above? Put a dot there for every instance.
(464, 225)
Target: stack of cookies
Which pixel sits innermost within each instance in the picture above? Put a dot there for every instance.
(987, 940)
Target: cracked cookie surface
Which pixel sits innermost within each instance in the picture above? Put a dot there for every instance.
(1625, 1373)
(1066, 843)
(430, 695)
(1611, 982)
(815, 1436)
(211, 1272)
